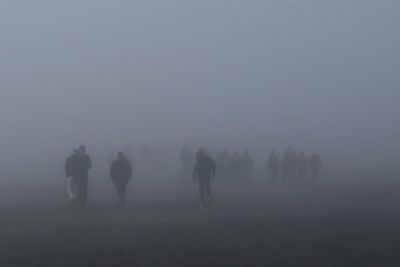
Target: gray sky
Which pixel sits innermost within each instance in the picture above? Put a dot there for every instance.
(315, 74)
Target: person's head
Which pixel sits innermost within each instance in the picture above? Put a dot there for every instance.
(121, 155)
(273, 152)
(245, 151)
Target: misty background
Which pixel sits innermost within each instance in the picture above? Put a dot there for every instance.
(322, 76)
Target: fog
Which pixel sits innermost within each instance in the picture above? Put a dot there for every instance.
(321, 76)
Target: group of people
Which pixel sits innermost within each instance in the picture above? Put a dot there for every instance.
(293, 167)
(234, 167)
(78, 164)
(77, 168)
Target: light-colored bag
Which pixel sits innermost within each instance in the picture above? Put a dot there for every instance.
(72, 188)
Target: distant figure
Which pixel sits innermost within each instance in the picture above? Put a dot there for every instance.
(77, 170)
(315, 166)
(204, 170)
(85, 164)
(71, 172)
(187, 160)
(302, 164)
(273, 166)
(121, 173)
(247, 162)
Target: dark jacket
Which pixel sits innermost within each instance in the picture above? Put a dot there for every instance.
(85, 164)
(121, 169)
(204, 168)
(71, 165)
(77, 165)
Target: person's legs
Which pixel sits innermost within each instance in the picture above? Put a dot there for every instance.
(78, 189)
(118, 187)
(73, 188)
(121, 188)
(82, 183)
(116, 184)
(70, 188)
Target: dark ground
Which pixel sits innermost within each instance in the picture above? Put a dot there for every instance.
(343, 224)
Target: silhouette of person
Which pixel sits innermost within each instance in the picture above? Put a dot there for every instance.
(71, 168)
(204, 170)
(315, 166)
(85, 164)
(121, 173)
(273, 166)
